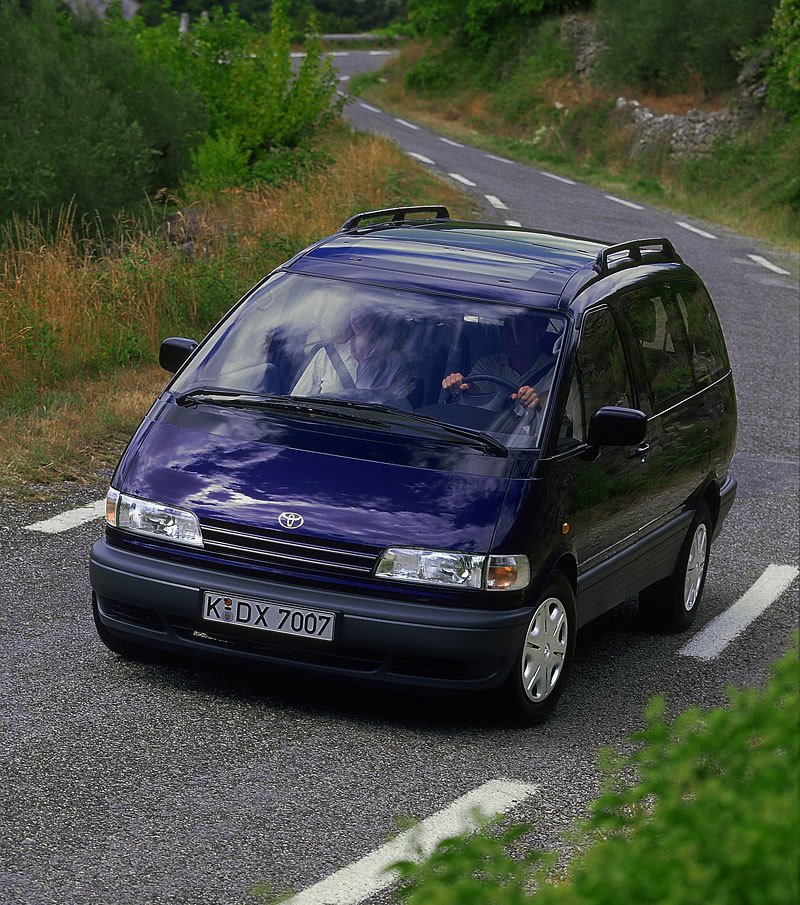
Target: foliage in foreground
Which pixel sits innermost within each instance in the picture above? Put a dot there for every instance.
(713, 818)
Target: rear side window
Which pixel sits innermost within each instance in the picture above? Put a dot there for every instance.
(706, 343)
(602, 366)
(659, 330)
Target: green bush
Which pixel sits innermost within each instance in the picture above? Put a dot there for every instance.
(784, 73)
(676, 45)
(256, 102)
(713, 818)
(431, 75)
(82, 117)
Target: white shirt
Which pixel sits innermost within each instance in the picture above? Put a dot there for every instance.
(320, 375)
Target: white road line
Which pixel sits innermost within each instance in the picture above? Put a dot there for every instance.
(379, 53)
(496, 202)
(296, 56)
(449, 141)
(421, 158)
(368, 107)
(559, 178)
(368, 876)
(500, 159)
(462, 179)
(339, 53)
(768, 264)
(344, 78)
(715, 637)
(70, 519)
(513, 223)
(404, 123)
(636, 207)
(694, 229)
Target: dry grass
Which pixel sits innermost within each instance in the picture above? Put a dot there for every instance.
(69, 304)
(76, 434)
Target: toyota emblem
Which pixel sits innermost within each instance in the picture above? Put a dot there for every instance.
(290, 520)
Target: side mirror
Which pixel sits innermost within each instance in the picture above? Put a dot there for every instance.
(174, 351)
(616, 426)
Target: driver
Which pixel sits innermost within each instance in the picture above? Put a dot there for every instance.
(521, 361)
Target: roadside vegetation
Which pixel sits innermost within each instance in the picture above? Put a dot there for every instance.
(505, 74)
(705, 811)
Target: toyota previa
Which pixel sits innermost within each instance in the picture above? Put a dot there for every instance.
(427, 452)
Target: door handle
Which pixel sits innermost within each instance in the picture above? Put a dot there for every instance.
(641, 451)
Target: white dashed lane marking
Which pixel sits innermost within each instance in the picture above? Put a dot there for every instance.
(368, 876)
(421, 158)
(449, 141)
(368, 107)
(695, 229)
(496, 202)
(344, 78)
(462, 179)
(513, 223)
(636, 207)
(718, 634)
(70, 519)
(558, 178)
(403, 122)
(500, 159)
(768, 264)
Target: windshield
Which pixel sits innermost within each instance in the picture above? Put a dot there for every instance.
(475, 365)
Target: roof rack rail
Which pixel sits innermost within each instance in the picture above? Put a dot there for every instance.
(397, 215)
(630, 254)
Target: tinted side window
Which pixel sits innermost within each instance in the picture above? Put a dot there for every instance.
(659, 331)
(706, 343)
(602, 365)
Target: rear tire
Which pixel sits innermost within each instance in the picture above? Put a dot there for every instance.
(546, 648)
(671, 604)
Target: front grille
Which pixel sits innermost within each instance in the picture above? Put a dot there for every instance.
(269, 548)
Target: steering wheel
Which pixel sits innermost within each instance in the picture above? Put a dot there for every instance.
(490, 378)
(496, 402)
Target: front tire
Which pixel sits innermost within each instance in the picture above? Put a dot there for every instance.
(671, 604)
(540, 669)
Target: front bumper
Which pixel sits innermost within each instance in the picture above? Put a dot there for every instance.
(157, 603)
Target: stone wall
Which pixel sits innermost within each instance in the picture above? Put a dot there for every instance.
(686, 135)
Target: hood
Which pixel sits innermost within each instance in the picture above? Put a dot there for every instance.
(239, 467)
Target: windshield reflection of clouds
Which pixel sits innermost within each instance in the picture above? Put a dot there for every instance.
(253, 483)
(300, 335)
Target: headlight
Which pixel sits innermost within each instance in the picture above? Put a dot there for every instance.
(152, 519)
(441, 567)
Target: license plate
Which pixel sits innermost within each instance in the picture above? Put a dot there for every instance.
(267, 616)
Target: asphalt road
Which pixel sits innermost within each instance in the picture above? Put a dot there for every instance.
(165, 782)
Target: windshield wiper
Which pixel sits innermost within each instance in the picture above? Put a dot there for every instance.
(476, 438)
(236, 399)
